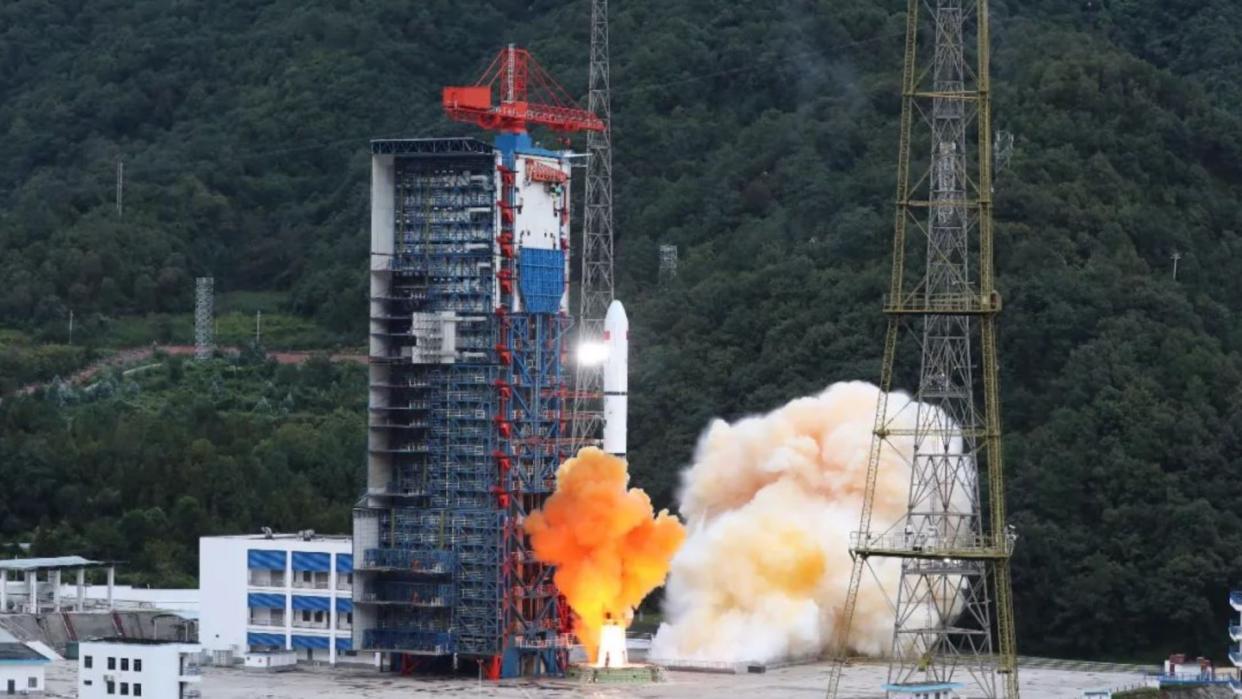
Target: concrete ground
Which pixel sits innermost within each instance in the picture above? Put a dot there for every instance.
(801, 681)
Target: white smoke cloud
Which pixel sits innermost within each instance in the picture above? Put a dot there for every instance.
(769, 503)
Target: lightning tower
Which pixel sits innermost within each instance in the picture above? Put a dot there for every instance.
(954, 614)
(204, 317)
(596, 285)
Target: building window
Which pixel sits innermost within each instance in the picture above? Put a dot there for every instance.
(125, 688)
(318, 616)
(88, 682)
(88, 662)
(110, 686)
(349, 579)
(306, 615)
(306, 576)
(111, 663)
(124, 666)
(349, 617)
(137, 689)
(32, 682)
(137, 666)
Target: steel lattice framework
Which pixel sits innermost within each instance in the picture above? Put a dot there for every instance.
(204, 317)
(596, 285)
(466, 418)
(954, 614)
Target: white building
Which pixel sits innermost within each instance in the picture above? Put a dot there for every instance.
(130, 667)
(21, 669)
(278, 592)
(22, 591)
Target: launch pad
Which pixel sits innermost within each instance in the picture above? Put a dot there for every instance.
(629, 674)
(612, 662)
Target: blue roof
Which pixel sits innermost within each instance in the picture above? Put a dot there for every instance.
(19, 654)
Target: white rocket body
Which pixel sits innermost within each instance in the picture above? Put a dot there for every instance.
(616, 378)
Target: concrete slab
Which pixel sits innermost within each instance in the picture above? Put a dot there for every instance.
(860, 682)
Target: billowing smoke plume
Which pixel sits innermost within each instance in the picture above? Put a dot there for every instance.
(610, 549)
(770, 502)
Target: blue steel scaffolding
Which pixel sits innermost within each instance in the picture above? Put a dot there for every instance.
(463, 443)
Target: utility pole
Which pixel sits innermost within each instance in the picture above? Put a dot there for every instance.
(258, 328)
(120, 188)
(954, 610)
(71, 326)
(596, 286)
(1177, 257)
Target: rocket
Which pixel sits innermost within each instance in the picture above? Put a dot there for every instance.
(616, 378)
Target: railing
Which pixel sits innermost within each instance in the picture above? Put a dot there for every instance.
(428, 642)
(401, 487)
(947, 304)
(1236, 658)
(1235, 599)
(557, 641)
(267, 580)
(413, 594)
(270, 621)
(1235, 631)
(430, 562)
(698, 665)
(931, 545)
(191, 670)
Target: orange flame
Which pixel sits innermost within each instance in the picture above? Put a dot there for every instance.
(609, 548)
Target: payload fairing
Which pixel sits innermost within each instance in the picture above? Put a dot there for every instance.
(616, 378)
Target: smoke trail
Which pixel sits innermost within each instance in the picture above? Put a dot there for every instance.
(770, 502)
(610, 549)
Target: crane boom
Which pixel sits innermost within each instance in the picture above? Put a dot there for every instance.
(528, 96)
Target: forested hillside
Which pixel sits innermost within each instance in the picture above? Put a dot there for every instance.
(760, 139)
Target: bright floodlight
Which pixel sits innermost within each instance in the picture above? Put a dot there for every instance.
(592, 353)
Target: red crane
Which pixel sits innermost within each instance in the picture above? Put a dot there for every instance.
(528, 95)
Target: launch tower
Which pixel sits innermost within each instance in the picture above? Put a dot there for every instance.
(596, 286)
(954, 614)
(468, 417)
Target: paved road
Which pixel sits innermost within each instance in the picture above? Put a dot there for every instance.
(809, 681)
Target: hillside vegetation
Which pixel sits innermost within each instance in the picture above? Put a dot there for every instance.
(758, 137)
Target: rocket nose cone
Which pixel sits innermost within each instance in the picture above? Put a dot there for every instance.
(615, 315)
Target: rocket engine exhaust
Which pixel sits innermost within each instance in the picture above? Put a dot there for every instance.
(609, 548)
(770, 502)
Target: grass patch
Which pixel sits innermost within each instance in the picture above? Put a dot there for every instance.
(10, 337)
(22, 363)
(248, 302)
(233, 328)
